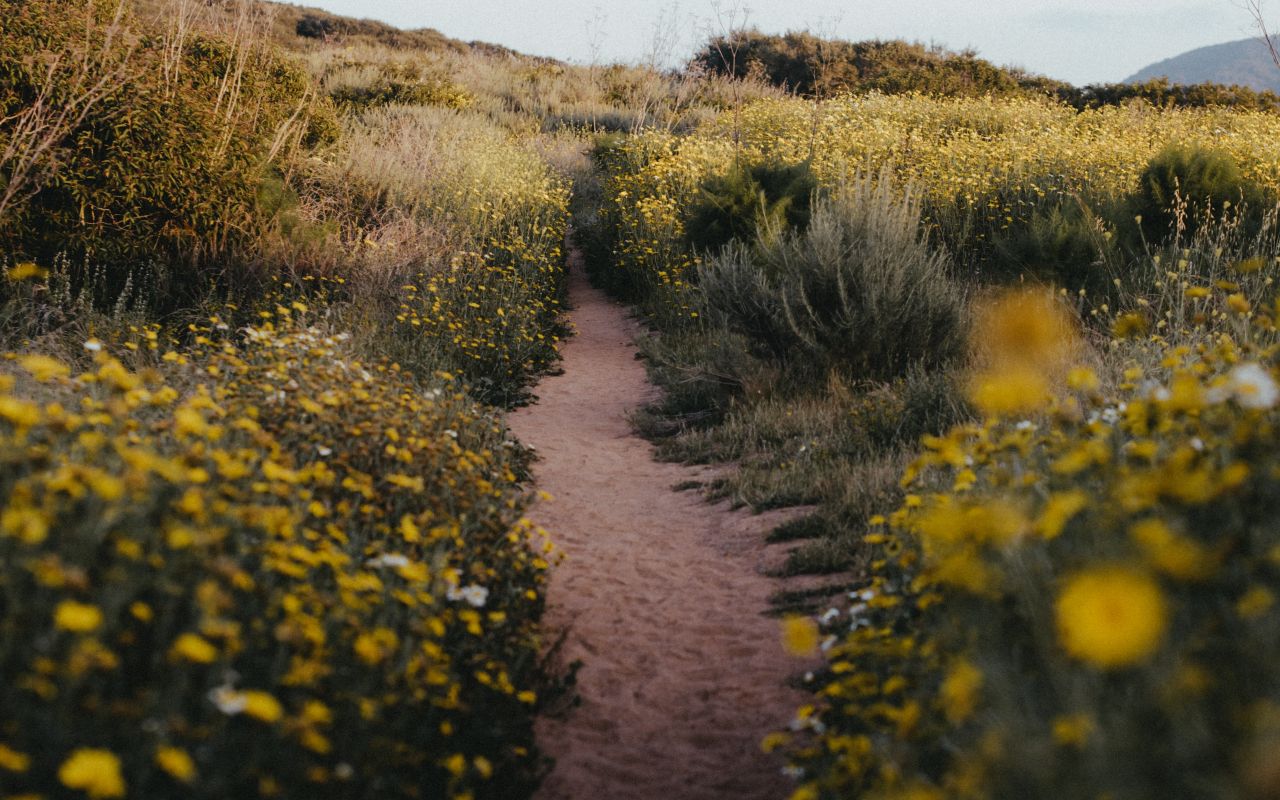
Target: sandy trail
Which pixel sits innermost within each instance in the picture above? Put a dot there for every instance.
(661, 594)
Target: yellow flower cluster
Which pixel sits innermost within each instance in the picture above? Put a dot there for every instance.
(982, 164)
(1085, 572)
(261, 568)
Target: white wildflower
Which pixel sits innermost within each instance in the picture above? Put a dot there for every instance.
(394, 560)
(1253, 387)
(228, 700)
(471, 593)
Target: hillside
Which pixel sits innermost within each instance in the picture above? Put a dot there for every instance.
(299, 27)
(1245, 63)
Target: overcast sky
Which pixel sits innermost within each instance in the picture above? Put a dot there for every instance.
(1084, 41)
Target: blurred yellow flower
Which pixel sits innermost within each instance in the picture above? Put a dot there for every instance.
(262, 706)
(1009, 391)
(94, 772)
(44, 368)
(25, 271)
(194, 648)
(1026, 328)
(1175, 555)
(1255, 602)
(77, 617)
(177, 763)
(13, 761)
(1111, 616)
(959, 691)
(800, 636)
(1060, 509)
(1072, 730)
(1129, 325)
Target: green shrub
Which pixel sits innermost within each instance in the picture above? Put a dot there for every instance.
(165, 166)
(860, 292)
(804, 63)
(747, 200)
(1184, 186)
(1066, 244)
(402, 84)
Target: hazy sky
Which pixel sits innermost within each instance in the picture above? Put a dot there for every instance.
(1085, 41)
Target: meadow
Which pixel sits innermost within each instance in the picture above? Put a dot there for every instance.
(273, 278)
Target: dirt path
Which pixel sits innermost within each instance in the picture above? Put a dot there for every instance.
(661, 594)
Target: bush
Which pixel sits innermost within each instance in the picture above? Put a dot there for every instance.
(401, 84)
(860, 291)
(1183, 187)
(748, 200)
(273, 571)
(807, 64)
(1067, 245)
(164, 166)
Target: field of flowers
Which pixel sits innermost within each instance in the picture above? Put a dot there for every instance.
(1074, 593)
(262, 567)
(983, 165)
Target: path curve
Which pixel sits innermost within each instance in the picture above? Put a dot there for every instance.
(661, 594)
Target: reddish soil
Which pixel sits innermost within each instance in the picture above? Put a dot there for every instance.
(661, 594)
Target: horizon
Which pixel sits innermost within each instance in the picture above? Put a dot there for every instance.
(1085, 42)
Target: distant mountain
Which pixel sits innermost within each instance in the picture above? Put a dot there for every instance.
(1245, 63)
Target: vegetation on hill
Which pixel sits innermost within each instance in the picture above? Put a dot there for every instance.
(809, 65)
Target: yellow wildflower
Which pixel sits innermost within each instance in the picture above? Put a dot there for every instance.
(25, 271)
(262, 706)
(1009, 391)
(94, 772)
(1111, 616)
(1072, 730)
(1060, 509)
(13, 761)
(193, 648)
(1172, 554)
(959, 691)
(44, 368)
(1255, 602)
(1028, 327)
(800, 636)
(77, 617)
(177, 763)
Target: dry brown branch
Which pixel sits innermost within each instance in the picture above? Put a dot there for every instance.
(1254, 7)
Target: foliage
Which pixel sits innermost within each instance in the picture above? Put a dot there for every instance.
(401, 84)
(456, 235)
(165, 167)
(263, 569)
(811, 65)
(1185, 186)
(1162, 93)
(816, 67)
(748, 200)
(1069, 245)
(860, 292)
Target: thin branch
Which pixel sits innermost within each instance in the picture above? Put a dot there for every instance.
(1254, 7)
